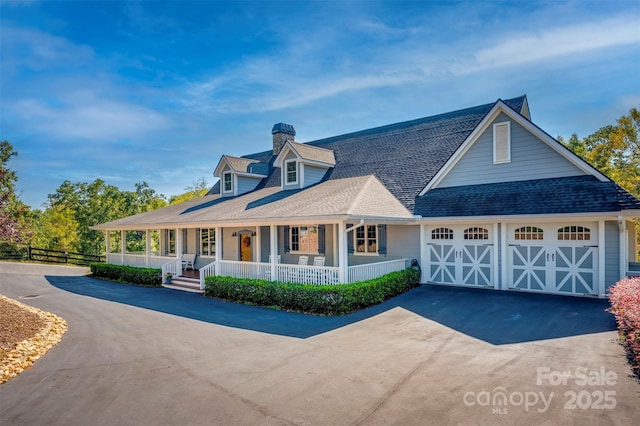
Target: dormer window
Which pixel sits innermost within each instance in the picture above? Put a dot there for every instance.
(291, 168)
(227, 182)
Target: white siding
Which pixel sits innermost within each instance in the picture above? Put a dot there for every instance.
(530, 159)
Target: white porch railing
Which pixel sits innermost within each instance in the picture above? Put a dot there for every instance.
(206, 271)
(174, 267)
(239, 269)
(138, 260)
(307, 274)
(373, 270)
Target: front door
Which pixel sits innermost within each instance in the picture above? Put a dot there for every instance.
(246, 250)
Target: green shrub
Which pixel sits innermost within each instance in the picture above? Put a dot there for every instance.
(130, 274)
(316, 299)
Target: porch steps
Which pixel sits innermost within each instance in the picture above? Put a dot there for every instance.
(184, 284)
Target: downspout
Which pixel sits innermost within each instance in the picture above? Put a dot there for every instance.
(354, 226)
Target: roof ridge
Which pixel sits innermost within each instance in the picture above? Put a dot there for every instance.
(356, 199)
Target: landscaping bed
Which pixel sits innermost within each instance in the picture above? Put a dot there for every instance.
(312, 299)
(149, 277)
(26, 334)
(625, 305)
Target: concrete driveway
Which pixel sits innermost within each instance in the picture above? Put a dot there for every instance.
(434, 355)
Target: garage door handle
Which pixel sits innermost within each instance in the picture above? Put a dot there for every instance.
(591, 246)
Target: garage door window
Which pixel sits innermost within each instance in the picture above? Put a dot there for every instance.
(476, 233)
(529, 233)
(442, 234)
(574, 233)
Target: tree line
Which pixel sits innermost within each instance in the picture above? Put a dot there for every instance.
(64, 222)
(66, 217)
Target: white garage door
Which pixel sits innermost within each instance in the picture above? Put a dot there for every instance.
(553, 258)
(460, 255)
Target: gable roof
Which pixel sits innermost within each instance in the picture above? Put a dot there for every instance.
(502, 107)
(307, 152)
(579, 194)
(403, 156)
(241, 165)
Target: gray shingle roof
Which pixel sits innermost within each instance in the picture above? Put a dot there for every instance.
(403, 156)
(579, 194)
(362, 196)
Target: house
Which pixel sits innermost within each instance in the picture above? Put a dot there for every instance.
(480, 197)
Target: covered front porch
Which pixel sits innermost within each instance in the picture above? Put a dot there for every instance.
(319, 254)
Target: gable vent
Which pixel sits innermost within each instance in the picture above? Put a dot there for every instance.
(502, 143)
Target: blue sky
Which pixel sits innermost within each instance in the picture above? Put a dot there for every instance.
(157, 91)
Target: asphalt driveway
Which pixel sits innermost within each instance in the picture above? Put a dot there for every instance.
(435, 355)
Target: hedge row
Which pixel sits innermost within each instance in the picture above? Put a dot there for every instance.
(625, 305)
(129, 274)
(315, 299)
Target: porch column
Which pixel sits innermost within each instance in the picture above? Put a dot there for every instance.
(123, 243)
(218, 232)
(342, 254)
(147, 247)
(107, 241)
(258, 245)
(178, 243)
(273, 248)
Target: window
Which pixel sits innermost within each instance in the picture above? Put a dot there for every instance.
(442, 234)
(304, 239)
(227, 182)
(502, 143)
(208, 242)
(529, 233)
(366, 237)
(476, 233)
(574, 233)
(170, 241)
(291, 167)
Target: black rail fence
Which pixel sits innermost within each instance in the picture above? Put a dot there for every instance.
(52, 256)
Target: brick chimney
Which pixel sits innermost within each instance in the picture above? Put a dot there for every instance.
(281, 133)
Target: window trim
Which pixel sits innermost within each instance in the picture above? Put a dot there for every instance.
(291, 232)
(496, 160)
(210, 241)
(442, 233)
(366, 241)
(528, 233)
(286, 172)
(224, 182)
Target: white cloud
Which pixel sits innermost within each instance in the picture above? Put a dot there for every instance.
(87, 116)
(555, 43)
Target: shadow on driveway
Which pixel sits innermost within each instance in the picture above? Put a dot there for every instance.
(492, 316)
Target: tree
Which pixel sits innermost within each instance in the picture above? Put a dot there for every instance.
(615, 151)
(89, 204)
(197, 190)
(12, 210)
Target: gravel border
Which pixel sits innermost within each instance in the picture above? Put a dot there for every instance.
(30, 350)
